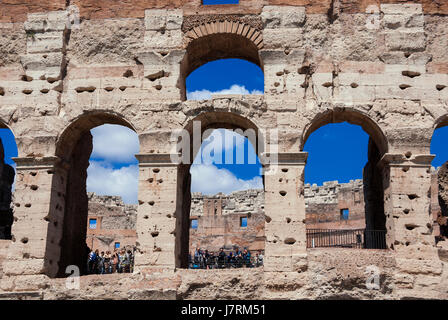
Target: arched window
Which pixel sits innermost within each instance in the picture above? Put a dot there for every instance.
(344, 187)
(95, 185)
(8, 150)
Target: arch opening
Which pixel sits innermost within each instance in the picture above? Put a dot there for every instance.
(439, 181)
(8, 150)
(346, 182)
(235, 41)
(212, 197)
(94, 187)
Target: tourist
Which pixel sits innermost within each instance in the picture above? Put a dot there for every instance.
(100, 263)
(91, 261)
(246, 258)
(221, 258)
(107, 262)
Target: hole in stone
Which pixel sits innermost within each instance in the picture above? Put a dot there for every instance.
(154, 234)
(158, 87)
(151, 203)
(52, 80)
(50, 171)
(280, 180)
(354, 85)
(34, 187)
(290, 241)
(407, 54)
(405, 169)
(407, 243)
(283, 193)
(109, 89)
(288, 220)
(411, 74)
(157, 249)
(26, 255)
(45, 91)
(145, 217)
(156, 170)
(327, 84)
(151, 180)
(268, 219)
(406, 211)
(408, 154)
(140, 202)
(33, 173)
(412, 196)
(26, 78)
(304, 70)
(128, 74)
(284, 170)
(27, 91)
(123, 88)
(160, 180)
(84, 89)
(404, 86)
(153, 77)
(440, 87)
(279, 74)
(28, 205)
(2, 91)
(24, 240)
(411, 226)
(276, 84)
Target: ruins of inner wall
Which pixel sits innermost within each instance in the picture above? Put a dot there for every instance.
(68, 66)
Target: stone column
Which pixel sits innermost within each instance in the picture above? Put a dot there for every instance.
(156, 214)
(32, 204)
(285, 227)
(407, 184)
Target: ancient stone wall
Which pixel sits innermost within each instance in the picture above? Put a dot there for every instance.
(115, 223)
(68, 66)
(324, 205)
(219, 224)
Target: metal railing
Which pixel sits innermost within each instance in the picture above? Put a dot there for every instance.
(346, 238)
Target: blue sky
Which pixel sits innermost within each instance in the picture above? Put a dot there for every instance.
(336, 151)
(219, 1)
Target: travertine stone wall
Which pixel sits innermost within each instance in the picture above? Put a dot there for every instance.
(115, 222)
(68, 66)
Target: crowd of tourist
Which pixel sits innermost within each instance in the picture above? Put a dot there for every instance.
(203, 259)
(120, 261)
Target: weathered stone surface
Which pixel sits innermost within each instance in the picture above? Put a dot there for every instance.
(378, 64)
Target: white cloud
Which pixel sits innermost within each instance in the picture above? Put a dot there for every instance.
(208, 179)
(114, 143)
(230, 142)
(103, 179)
(207, 94)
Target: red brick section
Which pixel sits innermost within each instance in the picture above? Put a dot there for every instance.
(17, 10)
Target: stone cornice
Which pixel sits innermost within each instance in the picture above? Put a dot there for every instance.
(400, 160)
(157, 159)
(36, 163)
(284, 158)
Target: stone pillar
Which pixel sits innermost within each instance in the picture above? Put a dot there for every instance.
(285, 227)
(156, 214)
(32, 204)
(408, 220)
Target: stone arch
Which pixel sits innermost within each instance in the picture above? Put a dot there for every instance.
(439, 206)
(351, 116)
(67, 219)
(221, 39)
(375, 175)
(208, 120)
(7, 175)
